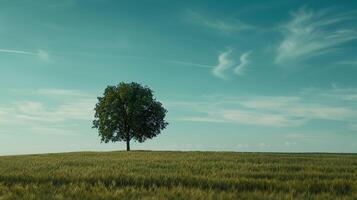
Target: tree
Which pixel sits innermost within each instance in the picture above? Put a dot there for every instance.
(128, 112)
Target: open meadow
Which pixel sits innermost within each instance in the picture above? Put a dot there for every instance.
(178, 175)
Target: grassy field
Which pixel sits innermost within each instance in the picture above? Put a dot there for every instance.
(179, 175)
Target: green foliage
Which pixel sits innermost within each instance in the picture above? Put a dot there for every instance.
(179, 175)
(128, 111)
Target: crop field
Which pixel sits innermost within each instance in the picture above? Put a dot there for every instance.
(178, 175)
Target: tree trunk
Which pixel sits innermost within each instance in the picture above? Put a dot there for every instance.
(128, 145)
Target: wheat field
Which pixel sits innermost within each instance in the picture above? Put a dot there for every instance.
(178, 175)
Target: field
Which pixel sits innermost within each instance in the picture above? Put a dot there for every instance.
(178, 175)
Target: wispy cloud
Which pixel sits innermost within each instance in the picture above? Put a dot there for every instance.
(70, 107)
(262, 118)
(190, 64)
(16, 51)
(244, 60)
(63, 93)
(62, 4)
(302, 136)
(270, 102)
(201, 119)
(264, 145)
(41, 54)
(170, 61)
(245, 116)
(37, 111)
(353, 126)
(311, 33)
(224, 63)
(298, 108)
(274, 111)
(336, 93)
(348, 62)
(222, 25)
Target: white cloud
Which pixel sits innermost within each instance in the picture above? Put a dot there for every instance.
(2, 115)
(244, 60)
(29, 107)
(322, 112)
(189, 64)
(242, 146)
(41, 54)
(299, 109)
(40, 115)
(81, 109)
(201, 119)
(348, 62)
(310, 34)
(302, 136)
(353, 126)
(270, 102)
(336, 93)
(264, 145)
(224, 63)
(15, 51)
(260, 118)
(62, 4)
(287, 144)
(228, 25)
(63, 93)
(271, 111)
(170, 61)
(296, 107)
(53, 130)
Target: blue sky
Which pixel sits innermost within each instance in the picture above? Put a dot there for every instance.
(234, 75)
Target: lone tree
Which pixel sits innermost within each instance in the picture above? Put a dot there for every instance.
(128, 111)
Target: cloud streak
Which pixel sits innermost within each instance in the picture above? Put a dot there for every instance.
(41, 54)
(310, 34)
(189, 64)
(16, 52)
(348, 62)
(62, 93)
(261, 118)
(227, 26)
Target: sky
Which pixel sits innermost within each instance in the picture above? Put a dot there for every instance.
(261, 76)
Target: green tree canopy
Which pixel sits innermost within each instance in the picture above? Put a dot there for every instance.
(128, 112)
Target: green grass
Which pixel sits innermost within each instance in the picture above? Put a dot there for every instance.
(179, 175)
